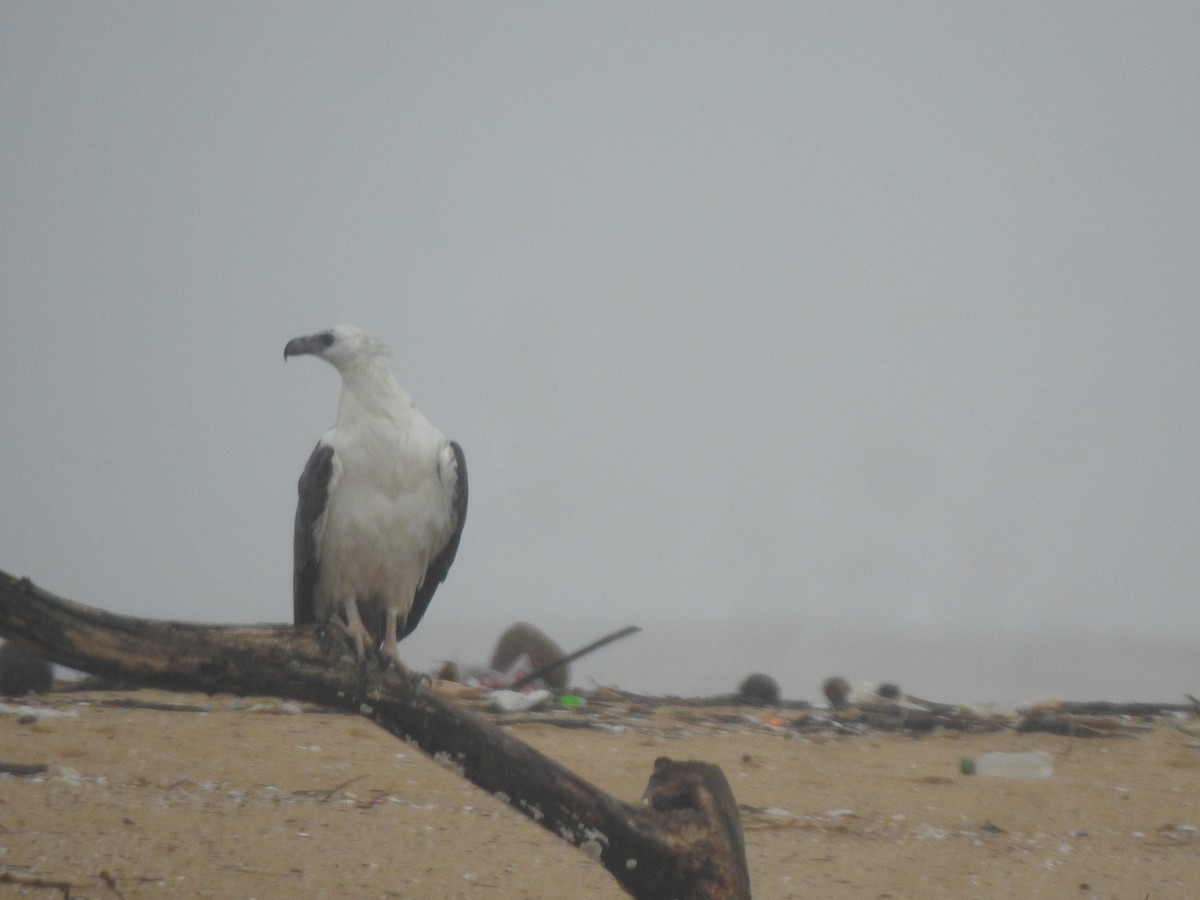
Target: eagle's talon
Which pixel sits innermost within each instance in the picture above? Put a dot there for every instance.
(414, 681)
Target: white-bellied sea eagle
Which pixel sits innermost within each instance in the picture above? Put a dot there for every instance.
(382, 503)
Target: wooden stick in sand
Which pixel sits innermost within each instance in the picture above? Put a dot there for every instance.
(571, 657)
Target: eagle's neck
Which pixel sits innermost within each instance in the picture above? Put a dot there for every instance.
(370, 391)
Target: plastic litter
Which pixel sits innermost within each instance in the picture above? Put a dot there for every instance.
(518, 701)
(1033, 764)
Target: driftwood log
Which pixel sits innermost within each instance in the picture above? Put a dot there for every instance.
(683, 840)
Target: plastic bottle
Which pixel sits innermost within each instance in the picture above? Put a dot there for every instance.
(1034, 764)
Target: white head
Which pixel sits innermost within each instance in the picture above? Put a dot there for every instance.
(342, 346)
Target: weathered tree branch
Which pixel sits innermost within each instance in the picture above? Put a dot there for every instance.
(683, 841)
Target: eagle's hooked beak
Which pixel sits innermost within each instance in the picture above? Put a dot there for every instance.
(313, 344)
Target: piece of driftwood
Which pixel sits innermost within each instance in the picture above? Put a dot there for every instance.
(1081, 725)
(654, 702)
(707, 820)
(1105, 708)
(32, 881)
(683, 842)
(24, 770)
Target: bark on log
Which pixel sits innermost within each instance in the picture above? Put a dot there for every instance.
(683, 841)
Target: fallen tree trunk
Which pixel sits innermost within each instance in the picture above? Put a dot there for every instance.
(683, 841)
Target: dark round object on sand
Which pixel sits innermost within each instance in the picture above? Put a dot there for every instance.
(23, 671)
(836, 691)
(523, 639)
(759, 690)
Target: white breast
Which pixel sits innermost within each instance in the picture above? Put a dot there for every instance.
(388, 515)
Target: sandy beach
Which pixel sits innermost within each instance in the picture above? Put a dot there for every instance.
(242, 797)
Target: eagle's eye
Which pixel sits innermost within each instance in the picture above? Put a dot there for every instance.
(326, 338)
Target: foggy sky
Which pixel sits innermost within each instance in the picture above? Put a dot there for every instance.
(850, 319)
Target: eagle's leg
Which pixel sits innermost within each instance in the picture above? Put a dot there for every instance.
(390, 651)
(352, 627)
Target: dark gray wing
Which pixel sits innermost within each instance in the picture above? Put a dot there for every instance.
(439, 566)
(314, 494)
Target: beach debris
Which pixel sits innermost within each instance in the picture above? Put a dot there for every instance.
(1108, 708)
(25, 712)
(455, 690)
(157, 705)
(1031, 764)
(483, 678)
(837, 691)
(759, 818)
(546, 671)
(907, 714)
(88, 682)
(23, 672)
(709, 831)
(282, 708)
(1097, 718)
(1080, 726)
(518, 701)
(23, 770)
(34, 881)
(759, 690)
(111, 884)
(869, 693)
(1178, 833)
(525, 642)
(326, 795)
(841, 694)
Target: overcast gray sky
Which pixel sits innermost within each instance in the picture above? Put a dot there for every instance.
(765, 322)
